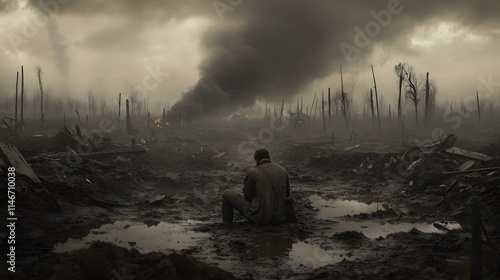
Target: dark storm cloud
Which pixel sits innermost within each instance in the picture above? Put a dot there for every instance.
(273, 49)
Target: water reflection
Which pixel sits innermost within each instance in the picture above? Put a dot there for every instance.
(162, 237)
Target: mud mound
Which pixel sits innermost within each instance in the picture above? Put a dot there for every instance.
(350, 237)
(106, 261)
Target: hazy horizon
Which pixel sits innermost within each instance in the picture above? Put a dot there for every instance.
(229, 55)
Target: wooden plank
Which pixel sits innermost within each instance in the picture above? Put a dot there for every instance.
(469, 154)
(13, 157)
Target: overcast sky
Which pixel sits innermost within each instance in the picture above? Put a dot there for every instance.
(218, 56)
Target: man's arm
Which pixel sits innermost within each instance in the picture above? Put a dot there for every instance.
(249, 188)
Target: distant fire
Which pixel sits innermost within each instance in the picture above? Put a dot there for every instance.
(159, 124)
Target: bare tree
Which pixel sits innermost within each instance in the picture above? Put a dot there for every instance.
(345, 101)
(134, 98)
(39, 73)
(413, 84)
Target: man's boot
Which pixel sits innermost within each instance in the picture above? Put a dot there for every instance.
(227, 214)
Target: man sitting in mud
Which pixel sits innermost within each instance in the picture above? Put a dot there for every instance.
(266, 188)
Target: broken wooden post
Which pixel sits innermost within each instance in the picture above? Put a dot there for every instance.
(427, 101)
(127, 116)
(282, 108)
(163, 118)
(119, 108)
(376, 99)
(22, 98)
(15, 109)
(478, 106)
(78, 130)
(132, 142)
(372, 108)
(329, 105)
(476, 252)
(399, 96)
(149, 117)
(323, 112)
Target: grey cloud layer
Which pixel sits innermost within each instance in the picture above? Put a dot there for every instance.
(273, 49)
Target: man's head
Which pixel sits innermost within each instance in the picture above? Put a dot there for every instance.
(261, 154)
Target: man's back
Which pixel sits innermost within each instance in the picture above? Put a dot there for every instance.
(264, 205)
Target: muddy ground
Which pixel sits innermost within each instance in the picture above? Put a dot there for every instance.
(363, 212)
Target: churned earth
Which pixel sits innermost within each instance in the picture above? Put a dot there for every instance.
(365, 210)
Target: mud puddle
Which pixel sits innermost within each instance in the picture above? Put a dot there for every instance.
(338, 211)
(162, 237)
(334, 208)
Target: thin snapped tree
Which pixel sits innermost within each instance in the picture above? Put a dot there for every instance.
(39, 73)
(412, 83)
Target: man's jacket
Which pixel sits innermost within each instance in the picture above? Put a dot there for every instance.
(260, 196)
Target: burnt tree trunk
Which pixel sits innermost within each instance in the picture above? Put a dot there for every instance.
(329, 105)
(15, 109)
(372, 108)
(376, 99)
(478, 105)
(22, 98)
(427, 99)
(399, 96)
(128, 125)
(40, 74)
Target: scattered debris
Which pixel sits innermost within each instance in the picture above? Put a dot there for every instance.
(68, 139)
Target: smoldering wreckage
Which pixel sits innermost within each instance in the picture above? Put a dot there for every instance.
(105, 200)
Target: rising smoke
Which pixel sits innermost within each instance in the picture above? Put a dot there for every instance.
(273, 49)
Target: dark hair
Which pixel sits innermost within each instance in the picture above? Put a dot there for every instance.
(261, 154)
